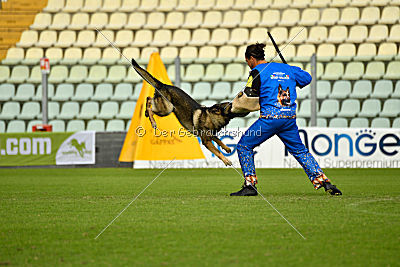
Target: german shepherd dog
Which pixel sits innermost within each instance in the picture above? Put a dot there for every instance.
(201, 121)
(283, 96)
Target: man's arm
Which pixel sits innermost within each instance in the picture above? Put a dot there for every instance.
(253, 84)
(302, 77)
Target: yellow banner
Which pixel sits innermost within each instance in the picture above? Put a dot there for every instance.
(169, 141)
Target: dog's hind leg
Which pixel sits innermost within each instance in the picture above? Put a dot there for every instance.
(209, 145)
(149, 112)
(221, 144)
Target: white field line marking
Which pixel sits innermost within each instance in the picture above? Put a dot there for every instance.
(135, 198)
(283, 217)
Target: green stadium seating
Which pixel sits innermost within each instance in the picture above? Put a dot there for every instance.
(396, 93)
(96, 125)
(89, 110)
(69, 111)
(380, 123)
(64, 92)
(221, 90)
(123, 91)
(382, 89)
(193, 73)
(25, 92)
(396, 123)
(236, 88)
(350, 108)
(187, 87)
(75, 126)
(19, 74)
(361, 89)
(375, 70)
(359, 123)
(7, 91)
(2, 127)
(304, 92)
(16, 126)
(108, 110)
(83, 92)
(340, 90)
(354, 71)
(321, 122)
(136, 92)
(126, 110)
(77, 74)
(201, 90)
(97, 74)
(392, 71)
(329, 108)
(4, 73)
(10, 111)
(132, 76)
(30, 110)
(323, 89)
(36, 75)
(53, 110)
(370, 108)
(305, 109)
(338, 123)
(115, 126)
(116, 74)
(39, 91)
(104, 91)
(301, 122)
(391, 108)
(31, 124)
(234, 72)
(58, 74)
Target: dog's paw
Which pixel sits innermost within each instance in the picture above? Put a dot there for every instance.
(227, 162)
(154, 125)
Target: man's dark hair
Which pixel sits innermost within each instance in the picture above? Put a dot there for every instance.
(256, 51)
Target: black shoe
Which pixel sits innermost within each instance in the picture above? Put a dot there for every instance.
(246, 191)
(332, 189)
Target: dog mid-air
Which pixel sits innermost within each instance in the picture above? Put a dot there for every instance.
(202, 121)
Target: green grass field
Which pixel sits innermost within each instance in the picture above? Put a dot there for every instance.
(50, 217)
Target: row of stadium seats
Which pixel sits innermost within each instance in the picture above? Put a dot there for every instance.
(16, 126)
(361, 89)
(217, 37)
(329, 108)
(201, 5)
(193, 73)
(211, 19)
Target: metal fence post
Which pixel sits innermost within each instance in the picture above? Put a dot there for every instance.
(45, 67)
(314, 90)
(177, 72)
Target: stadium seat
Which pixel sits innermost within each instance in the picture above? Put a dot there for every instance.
(64, 92)
(390, 15)
(297, 35)
(155, 20)
(115, 126)
(289, 17)
(7, 91)
(66, 39)
(329, 17)
(60, 21)
(180, 37)
(337, 34)
(168, 54)
(391, 108)
(236, 88)
(142, 38)
(233, 72)
(146, 53)
(237, 123)
(58, 74)
(167, 5)
(194, 73)
(375, 70)
(396, 123)
(42, 21)
(326, 52)
(304, 52)
(136, 91)
(200, 37)
(193, 20)
(353, 71)
(349, 16)
(212, 19)
(171, 72)
(365, 52)
(320, 69)
(382, 89)
(340, 90)
(361, 89)
(380, 123)
(16, 126)
(238, 36)
(77, 74)
(305, 109)
(221, 91)
(174, 20)
(333, 71)
(148, 5)
(214, 72)
(270, 18)
(57, 125)
(280, 34)
(350, 108)
(97, 74)
(79, 21)
(2, 127)
(73, 6)
(4, 73)
(321, 122)
(117, 21)
(129, 5)
(110, 56)
(380, 2)
(242, 5)
(126, 110)
(101, 41)
(386, 51)
(378, 33)
(71, 56)
(108, 110)
(92, 5)
(10, 110)
(28, 39)
(136, 20)
(89, 110)
(278, 4)
(20, 74)
(83, 92)
(110, 5)
(323, 89)
(303, 93)
(219, 37)
(104, 91)
(75, 126)
(369, 16)
(223, 4)
(392, 71)
(309, 17)
(338, 123)
(132, 76)
(53, 110)
(39, 91)
(359, 123)
(370, 108)
(357, 34)
(91, 55)
(187, 87)
(85, 38)
(231, 19)
(14, 56)
(25, 92)
(396, 93)
(30, 110)
(32, 56)
(201, 90)
(97, 20)
(225, 54)
(161, 38)
(129, 52)
(54, 54)
(206, 54)
(329, 108)
(318, 34)
(116, 74)
(301, 122)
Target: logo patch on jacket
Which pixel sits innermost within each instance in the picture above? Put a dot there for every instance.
(283, 96)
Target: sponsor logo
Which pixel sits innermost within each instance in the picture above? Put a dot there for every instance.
(26, 146)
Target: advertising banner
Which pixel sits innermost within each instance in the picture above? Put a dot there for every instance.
(331, 147)
(45, 148)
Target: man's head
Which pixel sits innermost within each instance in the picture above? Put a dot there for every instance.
(254, 54)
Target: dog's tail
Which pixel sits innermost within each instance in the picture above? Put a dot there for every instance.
(146, 76)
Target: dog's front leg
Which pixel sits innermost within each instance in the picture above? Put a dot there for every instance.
(209, 145)
(149, 112)
(221, 144)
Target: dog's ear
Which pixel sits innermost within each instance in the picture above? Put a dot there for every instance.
(287, 89)
(280, 87)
